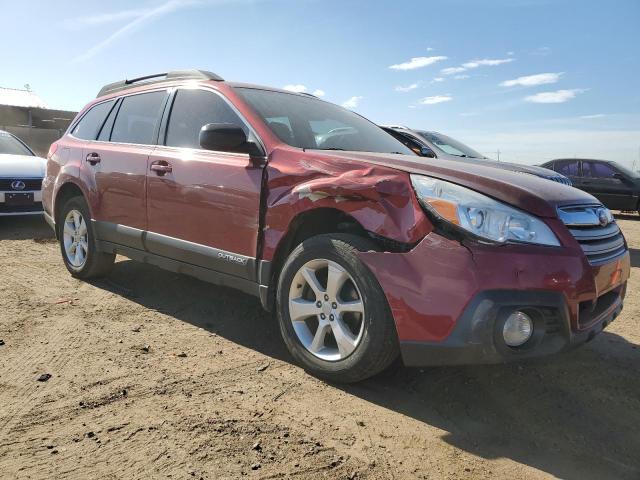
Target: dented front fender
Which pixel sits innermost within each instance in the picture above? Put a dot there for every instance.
(381, 199)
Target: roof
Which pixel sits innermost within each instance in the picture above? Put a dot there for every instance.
(20, 98)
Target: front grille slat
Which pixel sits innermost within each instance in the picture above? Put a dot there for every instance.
(31, 184)
(589, 233)
(600, 244)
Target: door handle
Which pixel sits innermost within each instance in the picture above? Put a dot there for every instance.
(161, 168)
(93, 158)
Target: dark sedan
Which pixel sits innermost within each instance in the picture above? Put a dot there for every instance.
(614, 185)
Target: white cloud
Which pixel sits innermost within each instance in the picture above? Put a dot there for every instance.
(429, 49)
(532, 80)
(489, 62)
(485, 62)
(408, 88)
(595, 115)
(437, 80)
(353, 102)
(460, 77)
(436, 99)
(144, 17)
(297, 88)
(452, 70)
(511, 53)
(417, 62)
(559, 96)
(319, 93)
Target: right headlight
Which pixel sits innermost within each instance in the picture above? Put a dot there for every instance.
(480, 215)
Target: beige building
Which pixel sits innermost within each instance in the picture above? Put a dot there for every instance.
(28, 117)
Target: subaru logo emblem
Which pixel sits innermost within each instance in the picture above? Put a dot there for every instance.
(17, 185)
(604, 216)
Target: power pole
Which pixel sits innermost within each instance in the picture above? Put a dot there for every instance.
(498, 154)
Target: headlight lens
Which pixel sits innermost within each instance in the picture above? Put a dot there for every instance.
(481, 215)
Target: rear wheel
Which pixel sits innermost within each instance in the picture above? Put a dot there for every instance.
(332, 312)
(78, 244)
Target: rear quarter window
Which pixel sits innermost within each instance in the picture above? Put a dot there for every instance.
(88, 126)
(138, 118)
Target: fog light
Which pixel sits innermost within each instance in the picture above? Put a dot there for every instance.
(517, 329)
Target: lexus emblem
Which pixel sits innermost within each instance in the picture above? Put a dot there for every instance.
(17, 185)
(604, 216)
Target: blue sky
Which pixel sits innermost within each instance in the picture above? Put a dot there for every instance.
(536, 79)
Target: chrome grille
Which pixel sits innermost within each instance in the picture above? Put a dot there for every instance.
(600, 243)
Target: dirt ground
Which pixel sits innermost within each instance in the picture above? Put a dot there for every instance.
(158, 375)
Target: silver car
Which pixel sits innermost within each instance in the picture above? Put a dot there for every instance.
(21, 174)
(436, 145)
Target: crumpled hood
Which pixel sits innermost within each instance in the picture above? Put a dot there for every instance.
(21, 166)
(530, 193)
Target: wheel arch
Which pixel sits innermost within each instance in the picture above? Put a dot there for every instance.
(67, 190)
(304, 225)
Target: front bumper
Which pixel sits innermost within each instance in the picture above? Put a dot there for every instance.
(477, 337)
(448, 298)
(9, 211)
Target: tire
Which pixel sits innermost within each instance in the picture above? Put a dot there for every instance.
(78, 229)
(371, 329)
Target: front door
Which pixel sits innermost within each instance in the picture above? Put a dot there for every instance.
(600, 181)
(203, 206)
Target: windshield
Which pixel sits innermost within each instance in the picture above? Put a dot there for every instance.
(627, 171)
(449, 145)
(307, 122)
(12, 146)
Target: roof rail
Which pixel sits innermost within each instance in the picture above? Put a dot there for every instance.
(160, 77)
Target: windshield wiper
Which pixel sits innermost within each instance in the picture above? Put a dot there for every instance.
(332, 148)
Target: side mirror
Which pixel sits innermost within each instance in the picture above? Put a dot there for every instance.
(619, 176)
(427, 152)
(223, 137)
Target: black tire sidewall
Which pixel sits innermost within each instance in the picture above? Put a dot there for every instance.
(377, 313)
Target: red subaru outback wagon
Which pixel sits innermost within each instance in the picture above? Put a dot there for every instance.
(364, 250)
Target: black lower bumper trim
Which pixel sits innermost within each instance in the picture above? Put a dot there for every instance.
(477, 336)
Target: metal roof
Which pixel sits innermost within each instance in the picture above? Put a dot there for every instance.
(20, 98)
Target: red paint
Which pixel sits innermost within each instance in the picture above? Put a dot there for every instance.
(215, 199)
(206, 196)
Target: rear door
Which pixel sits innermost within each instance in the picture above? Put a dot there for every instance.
(118, 162)
(570, 169)
(599, 178)
(203, 206)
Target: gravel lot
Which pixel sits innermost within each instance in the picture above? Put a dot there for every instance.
(157, 375)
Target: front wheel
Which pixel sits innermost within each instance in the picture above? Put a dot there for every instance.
(78, 242)
(333, 314)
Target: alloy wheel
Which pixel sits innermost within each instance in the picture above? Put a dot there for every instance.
(326, 310)
(75, 239)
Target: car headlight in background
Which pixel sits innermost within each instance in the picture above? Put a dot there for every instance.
(480, 215)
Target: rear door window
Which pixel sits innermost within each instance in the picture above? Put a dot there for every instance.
(87, 128)
(569, 169)
(138, 118)
(105, 131)
(193, 109)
